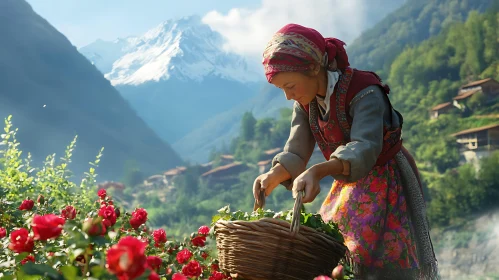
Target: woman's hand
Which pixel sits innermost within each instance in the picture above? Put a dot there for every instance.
(309, 182)
(269, 181)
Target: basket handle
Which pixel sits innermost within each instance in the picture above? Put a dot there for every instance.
(295, 220)
(260, 202)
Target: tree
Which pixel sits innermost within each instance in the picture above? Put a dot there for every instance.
(132, 174)
(248, 126)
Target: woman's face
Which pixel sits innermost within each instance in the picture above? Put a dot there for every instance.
(297, 86)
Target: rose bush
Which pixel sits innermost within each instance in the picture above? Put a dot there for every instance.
(78, 232)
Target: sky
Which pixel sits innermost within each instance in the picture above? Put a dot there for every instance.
(246, 24)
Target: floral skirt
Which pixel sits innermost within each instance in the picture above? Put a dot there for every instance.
(373, 216)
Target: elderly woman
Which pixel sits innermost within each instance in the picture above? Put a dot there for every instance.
(376, 198)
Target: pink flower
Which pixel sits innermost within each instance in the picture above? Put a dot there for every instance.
(27, 205)
(323, 277)
(204, 230)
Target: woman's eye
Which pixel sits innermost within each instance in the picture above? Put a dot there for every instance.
(291, 87)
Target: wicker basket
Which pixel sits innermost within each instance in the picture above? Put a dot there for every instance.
(275, 249)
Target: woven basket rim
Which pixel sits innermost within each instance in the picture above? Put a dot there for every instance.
(283, 223)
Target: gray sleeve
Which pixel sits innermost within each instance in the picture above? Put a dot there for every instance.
(369, 110)
(299, 146)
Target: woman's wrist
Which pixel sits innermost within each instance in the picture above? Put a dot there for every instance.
(279, 173)
(333, 166)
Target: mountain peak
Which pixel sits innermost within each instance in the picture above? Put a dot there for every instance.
(184, 48)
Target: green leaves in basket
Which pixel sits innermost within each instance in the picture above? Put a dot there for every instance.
(311, 220)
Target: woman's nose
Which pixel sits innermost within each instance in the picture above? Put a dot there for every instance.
(288, 95)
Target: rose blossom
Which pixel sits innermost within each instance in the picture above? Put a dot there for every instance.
(108, 213)
(102, 193)
(204, 255)
(47, 226)
(139, 217)
(323, 277)
(3, 232)
(183, 256)
(204, 230)
(198, 241)
(68, 213)
(29, 258)
(178, 276)
(153, 276)
(217, 276)
(20, 241)
(154, 262)
(94, 229)
(192, 269)
(27, 205)
(159, 236)
(127, 258)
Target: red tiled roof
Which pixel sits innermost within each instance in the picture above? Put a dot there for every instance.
(441, 106)
(272, 151)
(478, 129)
(221, 168)
(476, 83)
(466, 94)
(264, 162)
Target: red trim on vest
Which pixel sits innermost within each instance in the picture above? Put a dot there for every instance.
(335, 132)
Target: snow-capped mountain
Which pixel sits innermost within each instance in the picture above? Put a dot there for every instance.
(184, 49)
(177, 69)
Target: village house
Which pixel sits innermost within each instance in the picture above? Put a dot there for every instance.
(488, 87)
(226, 159)
(440, 109)
(171, 174)
(477, 143)
(226, 174)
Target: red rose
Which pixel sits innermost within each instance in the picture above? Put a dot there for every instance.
(215, 267)
(20, 241)
(29, 258)
(204, 230)
(94, 228)
(154, 262)
(139, 217)
(107, 213)
(102, 193)
(47, 226)
(159, 236)
(204, 255)
(68, 213)
(27, 205)
(153, 276)
(183, 256)
(198, 241)
(192, 269)
(3, 232)
(217, 276)
(178, 276)
(126, 258)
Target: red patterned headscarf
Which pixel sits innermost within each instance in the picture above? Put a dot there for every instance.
(295, 48)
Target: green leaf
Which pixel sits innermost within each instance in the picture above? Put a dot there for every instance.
(69, 272)
(21, 257)
(41, 269)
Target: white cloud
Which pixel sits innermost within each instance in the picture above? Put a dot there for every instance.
(247, 31)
